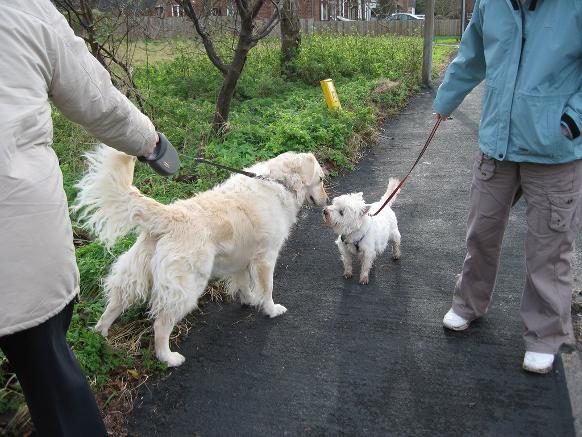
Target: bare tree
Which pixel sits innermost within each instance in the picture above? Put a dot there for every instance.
(446, 8)
(442, 8)
(290, 36)
(107, 36)
(249, 34)
(386, 7)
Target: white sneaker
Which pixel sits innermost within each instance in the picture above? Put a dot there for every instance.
(537, 362)
(455, 322)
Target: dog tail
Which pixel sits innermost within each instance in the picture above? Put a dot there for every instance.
(108, 203)
(392, 184)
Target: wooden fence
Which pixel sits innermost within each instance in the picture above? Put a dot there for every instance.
(171, 27)
(442, 27)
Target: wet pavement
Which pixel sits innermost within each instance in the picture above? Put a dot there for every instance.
(371, 360)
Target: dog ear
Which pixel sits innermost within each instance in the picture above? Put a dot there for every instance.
(307, 168)
(366, 209)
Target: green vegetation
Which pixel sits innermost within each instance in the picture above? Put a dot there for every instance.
(447, 39)
(374, 77)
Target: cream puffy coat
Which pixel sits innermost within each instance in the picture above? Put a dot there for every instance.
(41, 60)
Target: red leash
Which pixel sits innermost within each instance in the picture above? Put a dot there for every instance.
(430, 137)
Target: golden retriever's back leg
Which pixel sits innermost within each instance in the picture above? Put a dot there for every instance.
(263, 270)
(182, 302)
(242, 285)
(128, 282)
(178, 284)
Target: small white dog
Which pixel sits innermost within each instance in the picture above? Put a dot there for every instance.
(361, 234)
(234, 232)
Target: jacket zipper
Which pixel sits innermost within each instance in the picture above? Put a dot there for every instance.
(516, 7)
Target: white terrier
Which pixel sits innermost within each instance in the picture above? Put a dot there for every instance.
(361, 234)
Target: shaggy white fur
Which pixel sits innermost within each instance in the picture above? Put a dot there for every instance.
(360, 234)
(234, 232)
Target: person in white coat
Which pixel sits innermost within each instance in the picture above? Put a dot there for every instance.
(42, 61)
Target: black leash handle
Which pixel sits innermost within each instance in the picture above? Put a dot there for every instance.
(164, 159)
(430, 137)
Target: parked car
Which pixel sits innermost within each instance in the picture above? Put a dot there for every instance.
(405, 16)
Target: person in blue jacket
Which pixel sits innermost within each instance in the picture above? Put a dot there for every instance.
(529, 53)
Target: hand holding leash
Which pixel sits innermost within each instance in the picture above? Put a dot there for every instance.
(164, 159)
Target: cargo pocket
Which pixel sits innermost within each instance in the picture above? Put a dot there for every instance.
(562, 211)
(485, 167)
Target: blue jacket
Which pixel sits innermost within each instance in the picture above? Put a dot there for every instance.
(531, 59)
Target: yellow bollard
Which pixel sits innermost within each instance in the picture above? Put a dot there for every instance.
(330, 94)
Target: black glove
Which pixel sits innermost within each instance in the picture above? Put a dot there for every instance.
(164, 159)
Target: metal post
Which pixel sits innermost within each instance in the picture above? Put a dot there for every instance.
(463, 17)
(427, 49)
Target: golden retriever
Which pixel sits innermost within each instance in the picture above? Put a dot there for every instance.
(233, 232)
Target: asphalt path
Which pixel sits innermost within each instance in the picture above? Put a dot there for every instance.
(371, 360)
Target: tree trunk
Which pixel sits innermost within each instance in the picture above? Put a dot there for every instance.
(219, 124)
(290, 36)
(224, 100)
(248, 37)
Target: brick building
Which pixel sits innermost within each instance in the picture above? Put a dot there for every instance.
(317, 10)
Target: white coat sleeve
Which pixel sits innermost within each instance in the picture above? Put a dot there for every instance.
(82, 90)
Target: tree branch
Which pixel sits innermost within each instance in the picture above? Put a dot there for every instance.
(68, 6)
(243, 8)
(269, 25)
(256, 8)
(206, 41)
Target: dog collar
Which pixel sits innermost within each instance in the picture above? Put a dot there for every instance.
(356, 243)
(275, 181)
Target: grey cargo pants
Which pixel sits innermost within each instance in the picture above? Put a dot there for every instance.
(554, 207)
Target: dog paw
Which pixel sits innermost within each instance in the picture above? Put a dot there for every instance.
(173, 359)
(396, 256)
(348, 275)
(364, 280)
(104, 331)
(276, 310)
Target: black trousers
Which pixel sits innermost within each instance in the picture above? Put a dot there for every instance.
(56, 390)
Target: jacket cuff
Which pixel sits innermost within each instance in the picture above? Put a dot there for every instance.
(441, 108)
(571, 125)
